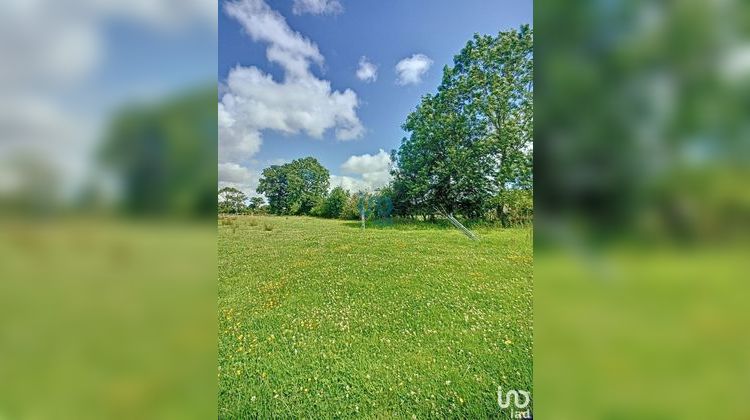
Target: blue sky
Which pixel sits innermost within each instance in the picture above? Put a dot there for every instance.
(386, 32)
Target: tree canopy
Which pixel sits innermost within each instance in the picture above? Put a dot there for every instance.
(472, 139)
(296, 187)
(335, 203)
(231, 200)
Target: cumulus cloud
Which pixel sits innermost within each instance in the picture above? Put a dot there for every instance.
(286, 47)
(411, 69)
(235, 140)
(239, 177)
(369, 172)
(253, 101)
(350, 184)
(317, 7)
(367, 71)
(367, 163)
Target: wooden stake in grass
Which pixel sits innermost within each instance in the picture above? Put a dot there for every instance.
(362, 208)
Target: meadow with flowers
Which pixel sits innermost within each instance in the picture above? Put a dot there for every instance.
(319, 318)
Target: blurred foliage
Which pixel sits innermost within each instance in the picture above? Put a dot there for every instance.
(165, 156)
(642, 215)
(641, 106)
(37, 190)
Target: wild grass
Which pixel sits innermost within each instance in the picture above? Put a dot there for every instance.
(318, 318)
(399, 223)
(227, 220)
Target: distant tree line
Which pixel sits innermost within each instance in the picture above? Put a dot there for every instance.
(469, 151)
(301, 187)
(234, 201)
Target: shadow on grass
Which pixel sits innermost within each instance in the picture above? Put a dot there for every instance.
(412, 224)
(395, 224)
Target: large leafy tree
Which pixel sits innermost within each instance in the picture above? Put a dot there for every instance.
(274, 184)
(472, 139)
(494, 77)
(295, 187)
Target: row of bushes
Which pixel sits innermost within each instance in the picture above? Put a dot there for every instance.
(340, 204)
(508, 208)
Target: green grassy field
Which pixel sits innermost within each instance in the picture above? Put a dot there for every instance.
(318, 318)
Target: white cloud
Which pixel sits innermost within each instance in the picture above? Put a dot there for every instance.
(286, 47)
(235, 141)
(255, 102)
(349, 183)
(370, 172)
(367, 71)
(366, 163)
(237, 176)
(252, 101)
(411, 69)
(317, 7)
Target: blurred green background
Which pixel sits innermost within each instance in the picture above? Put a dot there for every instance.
(642, 148)
(107, 209)
(108, 307)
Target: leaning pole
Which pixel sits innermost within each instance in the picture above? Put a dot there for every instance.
(458, 225)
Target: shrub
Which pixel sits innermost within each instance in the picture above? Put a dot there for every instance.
(319, 209)
(351, 208)
(515, 207)
(335, 203)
